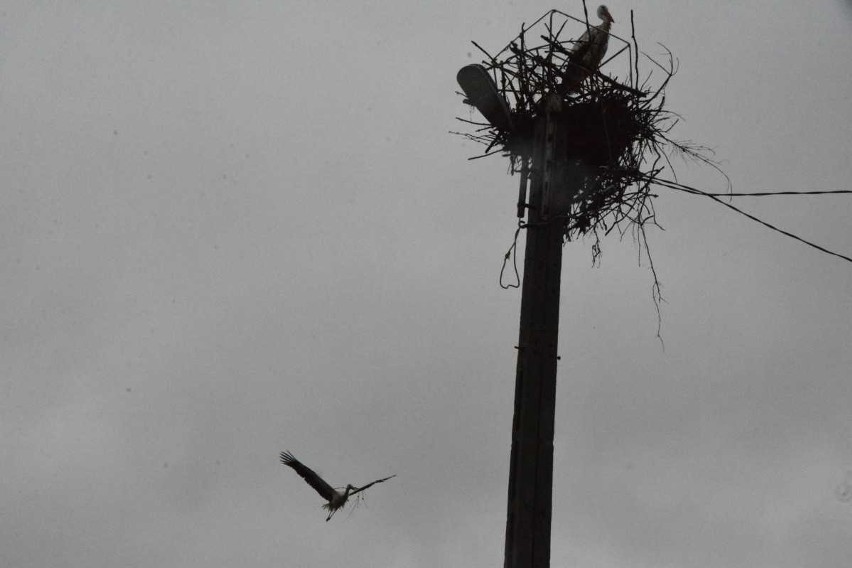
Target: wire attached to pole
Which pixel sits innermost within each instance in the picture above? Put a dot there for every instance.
(512, 252)
(715, 197)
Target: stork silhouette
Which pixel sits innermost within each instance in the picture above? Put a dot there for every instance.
(336, 499)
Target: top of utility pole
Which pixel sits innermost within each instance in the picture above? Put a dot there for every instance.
(611, 108)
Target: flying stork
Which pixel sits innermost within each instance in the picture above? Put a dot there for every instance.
(336, 499)
(587, 52)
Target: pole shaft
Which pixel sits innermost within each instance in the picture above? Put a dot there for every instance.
(531, 466)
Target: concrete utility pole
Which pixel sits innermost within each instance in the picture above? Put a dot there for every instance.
(569, 151)
(531, 468)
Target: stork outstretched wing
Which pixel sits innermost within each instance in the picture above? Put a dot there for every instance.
(360, 489)
(324, 489)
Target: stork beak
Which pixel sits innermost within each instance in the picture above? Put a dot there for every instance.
(608, 15)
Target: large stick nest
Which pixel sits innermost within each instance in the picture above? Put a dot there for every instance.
(617, 129)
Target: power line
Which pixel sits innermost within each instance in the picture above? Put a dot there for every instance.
(765, 193)
(715, 197)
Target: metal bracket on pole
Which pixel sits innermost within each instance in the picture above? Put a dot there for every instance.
(522, 188)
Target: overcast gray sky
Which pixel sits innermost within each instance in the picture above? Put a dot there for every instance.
(232, 228)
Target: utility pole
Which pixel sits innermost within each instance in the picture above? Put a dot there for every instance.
(580, 137)
(531, 468)
(559, 150)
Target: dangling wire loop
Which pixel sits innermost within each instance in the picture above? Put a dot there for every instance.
(512, 252)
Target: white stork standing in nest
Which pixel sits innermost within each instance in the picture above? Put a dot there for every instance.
(336, 499)
(587, 52)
